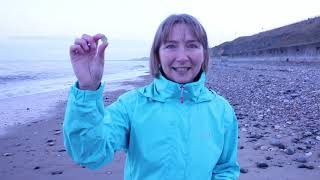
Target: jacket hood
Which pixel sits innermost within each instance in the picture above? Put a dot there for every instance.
(162, 89)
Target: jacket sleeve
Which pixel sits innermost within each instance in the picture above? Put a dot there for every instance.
(227, 167)
(92, 133)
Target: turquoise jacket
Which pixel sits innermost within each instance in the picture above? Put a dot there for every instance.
(168, 131)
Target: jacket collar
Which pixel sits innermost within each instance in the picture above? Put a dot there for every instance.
(162, 89)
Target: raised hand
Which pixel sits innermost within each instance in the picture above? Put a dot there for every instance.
(87, 59)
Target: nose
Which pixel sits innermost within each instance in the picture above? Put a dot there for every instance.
(182, 55)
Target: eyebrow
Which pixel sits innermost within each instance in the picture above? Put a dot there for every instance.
(188, 41)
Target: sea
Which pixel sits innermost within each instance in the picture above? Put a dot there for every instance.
(30, 65)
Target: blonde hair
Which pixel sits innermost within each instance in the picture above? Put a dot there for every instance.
(163, 33)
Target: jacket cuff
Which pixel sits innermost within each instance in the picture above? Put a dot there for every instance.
(86, 95)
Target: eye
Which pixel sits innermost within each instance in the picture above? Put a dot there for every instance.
(193, 45)
(170, 46)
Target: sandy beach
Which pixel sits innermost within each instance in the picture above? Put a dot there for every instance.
(277, 106)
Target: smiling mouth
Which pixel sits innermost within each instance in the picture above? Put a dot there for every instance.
(181, 69)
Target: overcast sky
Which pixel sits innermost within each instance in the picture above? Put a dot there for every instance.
(138, 19)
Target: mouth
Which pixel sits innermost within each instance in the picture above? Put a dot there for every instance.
(181, 69)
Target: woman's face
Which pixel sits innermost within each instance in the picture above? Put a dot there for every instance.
(181, 57)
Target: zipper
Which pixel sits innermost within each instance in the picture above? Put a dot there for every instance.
(181, 94)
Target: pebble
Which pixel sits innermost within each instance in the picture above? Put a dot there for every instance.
(289, 151)
(307, 134)
(51, 143)
(244, 130)
(8, 154)
(277, 143)
(308, 154)
(244, 170)
(301, 159)
(37, 167)
(262, 165)
(264, 148)
(306, 166)
(268, 158)
(276, 127)
(56, 172)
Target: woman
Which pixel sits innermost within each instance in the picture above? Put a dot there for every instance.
(174, 128)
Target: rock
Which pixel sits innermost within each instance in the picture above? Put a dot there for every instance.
(62, 150)
(301, 159)
(276, 127)
(306, 134)
(56, 172)
(289, 122)
(8, 154)
(295, 140)
(302, 147)
(308, 154)
(37, 167)
(257, 146)
(51, 143)
(256, 136)
(28, 109)
(262, 165)
(268, 158)
(318, 138)
(289, 151)
(306, 166)
(244, 130)
(277, 143)
(264, 148)
(57, 133)
(244, 170)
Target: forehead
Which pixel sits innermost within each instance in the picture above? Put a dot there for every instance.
(181, 31)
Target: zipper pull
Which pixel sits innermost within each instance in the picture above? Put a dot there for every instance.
(181, 94)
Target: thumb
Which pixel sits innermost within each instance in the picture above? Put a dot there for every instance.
(101, 50)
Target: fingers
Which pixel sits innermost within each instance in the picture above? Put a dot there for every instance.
(83, 43)
(88, 43)
(76, 49)
(91, 42)
(101, 50)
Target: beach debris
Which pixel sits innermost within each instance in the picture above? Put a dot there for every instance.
(56, 172)
(109, 172)
(306, 166)
(62, 150)
(7, 154)
(262, 165)
(244, 170)
(104, 40)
